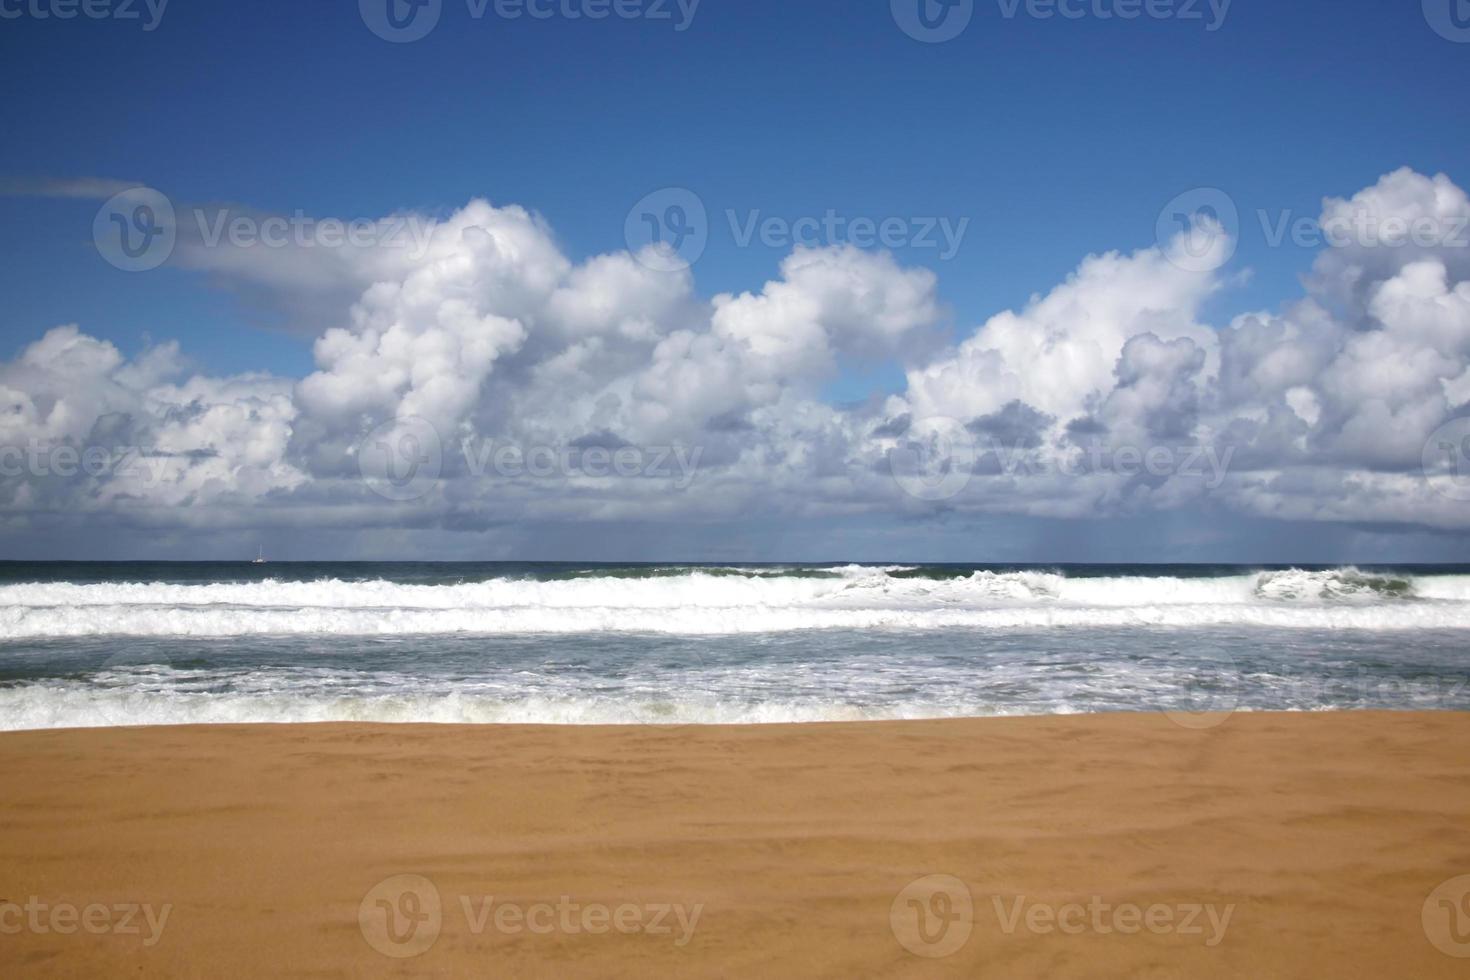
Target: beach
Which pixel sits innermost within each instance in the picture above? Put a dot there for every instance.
(1254, 844)
(769, 496)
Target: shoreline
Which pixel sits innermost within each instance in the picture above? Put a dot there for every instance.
(1197, 720)
(1075, 845)
(1209, 719)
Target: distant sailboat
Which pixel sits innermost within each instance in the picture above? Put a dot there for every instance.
(259, 556)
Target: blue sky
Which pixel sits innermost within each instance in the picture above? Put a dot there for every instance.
(1055, 137)
(1052, 138)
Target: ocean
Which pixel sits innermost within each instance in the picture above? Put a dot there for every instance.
(107, 644)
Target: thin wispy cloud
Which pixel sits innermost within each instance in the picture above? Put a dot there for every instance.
(82, 188)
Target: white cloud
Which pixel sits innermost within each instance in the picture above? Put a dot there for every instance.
(489, 332)
(1059, 353)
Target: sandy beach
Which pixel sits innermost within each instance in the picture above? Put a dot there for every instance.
(1269, 845)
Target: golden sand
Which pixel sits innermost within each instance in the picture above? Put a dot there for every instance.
(1325, 845)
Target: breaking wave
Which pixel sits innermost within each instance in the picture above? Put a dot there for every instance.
(706, 601)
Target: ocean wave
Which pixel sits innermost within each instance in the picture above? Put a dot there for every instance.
(699, 602)
(165, 621)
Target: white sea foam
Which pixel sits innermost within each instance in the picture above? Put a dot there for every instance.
(35, 707)
(762, 646)
(705, 603)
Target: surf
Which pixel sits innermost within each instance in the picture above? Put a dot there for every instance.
(732, 600)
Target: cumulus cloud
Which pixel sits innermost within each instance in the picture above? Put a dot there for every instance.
(1406, 217)
(489, 335)
(85, 430)
(1059, 353)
